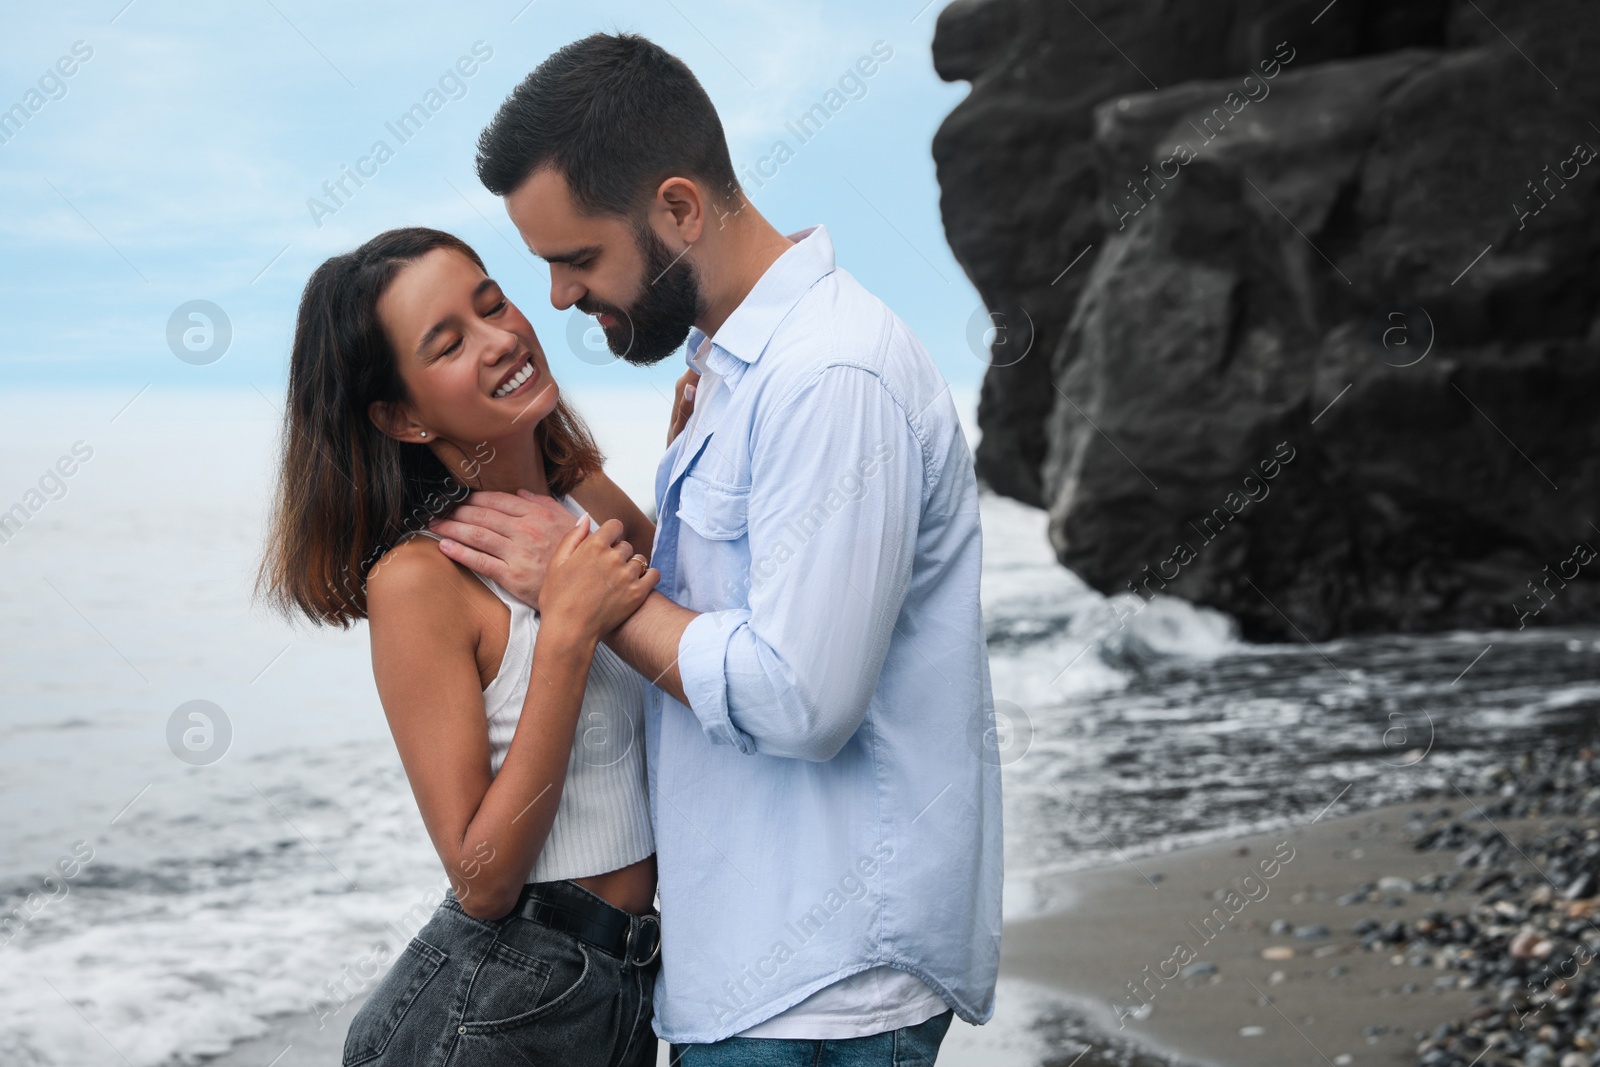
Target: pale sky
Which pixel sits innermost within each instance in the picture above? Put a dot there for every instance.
(178, 159)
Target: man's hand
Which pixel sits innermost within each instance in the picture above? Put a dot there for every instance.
(507, 538)
(682, 403)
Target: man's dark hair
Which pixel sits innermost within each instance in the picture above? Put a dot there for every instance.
(615, 114)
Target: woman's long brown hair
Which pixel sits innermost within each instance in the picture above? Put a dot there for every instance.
(347, 491)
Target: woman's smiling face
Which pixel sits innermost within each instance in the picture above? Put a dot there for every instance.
(473, 369)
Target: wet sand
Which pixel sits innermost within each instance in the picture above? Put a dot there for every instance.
(1271, 1000)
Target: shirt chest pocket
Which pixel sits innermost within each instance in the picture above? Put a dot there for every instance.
(714, 510)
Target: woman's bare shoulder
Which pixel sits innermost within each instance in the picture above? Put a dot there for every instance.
(416, 571)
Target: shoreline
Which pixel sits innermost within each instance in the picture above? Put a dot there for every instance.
(1151, 960)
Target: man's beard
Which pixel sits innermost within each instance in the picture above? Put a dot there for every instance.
(659, 320)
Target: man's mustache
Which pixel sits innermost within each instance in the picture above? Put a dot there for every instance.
(592, 307)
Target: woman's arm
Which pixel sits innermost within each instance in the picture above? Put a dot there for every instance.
(599, 495)
(489, 829)
(601, 498)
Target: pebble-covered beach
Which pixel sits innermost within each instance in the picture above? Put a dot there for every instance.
(1529, 942)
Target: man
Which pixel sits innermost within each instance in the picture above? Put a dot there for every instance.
(826, 801)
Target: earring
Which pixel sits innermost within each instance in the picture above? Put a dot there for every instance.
(422, 433)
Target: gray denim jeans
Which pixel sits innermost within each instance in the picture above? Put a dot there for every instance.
(504, 992)
(909, 1046)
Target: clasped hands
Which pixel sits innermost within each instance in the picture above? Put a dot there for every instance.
(513, 538)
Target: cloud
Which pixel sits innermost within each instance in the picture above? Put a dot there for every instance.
(192, 140)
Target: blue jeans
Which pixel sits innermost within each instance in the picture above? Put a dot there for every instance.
(909, 1046)
(504, 993)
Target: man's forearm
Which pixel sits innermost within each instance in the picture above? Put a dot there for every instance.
(648, 642)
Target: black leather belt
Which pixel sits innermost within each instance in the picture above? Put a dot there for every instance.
(570, 909)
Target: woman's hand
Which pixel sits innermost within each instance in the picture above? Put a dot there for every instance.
(593, 583)
(682, 403)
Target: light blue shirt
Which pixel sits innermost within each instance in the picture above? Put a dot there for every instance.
(830, 802)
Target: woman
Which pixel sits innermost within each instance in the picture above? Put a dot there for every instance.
(413, 380)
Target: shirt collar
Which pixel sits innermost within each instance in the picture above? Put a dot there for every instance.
(746, 332)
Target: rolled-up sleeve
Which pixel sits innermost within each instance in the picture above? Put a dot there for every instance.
(837, 482)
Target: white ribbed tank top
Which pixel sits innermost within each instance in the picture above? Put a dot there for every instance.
(603, 820)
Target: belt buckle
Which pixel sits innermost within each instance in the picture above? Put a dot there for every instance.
(654, 952)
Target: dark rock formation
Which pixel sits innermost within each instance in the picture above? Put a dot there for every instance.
(1332, 363)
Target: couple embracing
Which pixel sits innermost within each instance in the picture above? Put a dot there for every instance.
(769, 712)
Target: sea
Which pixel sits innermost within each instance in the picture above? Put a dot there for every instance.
(206, 831)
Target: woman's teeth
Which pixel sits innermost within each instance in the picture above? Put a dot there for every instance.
(517, 379)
